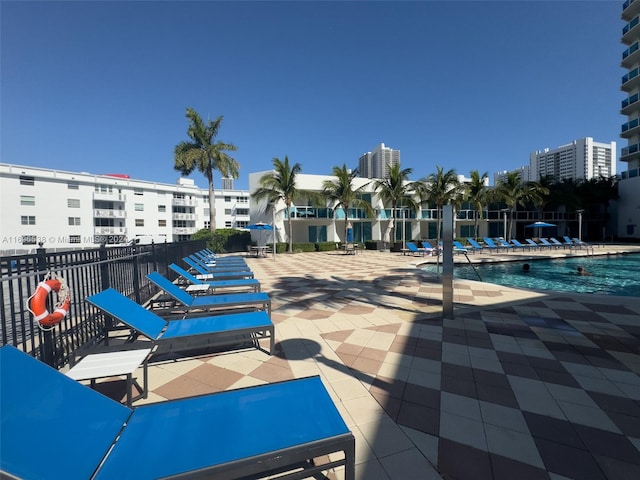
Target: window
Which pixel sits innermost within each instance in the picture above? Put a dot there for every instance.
(73, 202)
(162, 208)
(227, 225)
(139, 222)
(162, 223)
(27, 200)
(139, 207)
(29, 239)
(227, 211)
(104, 188)
(73, 186)
(242, 199)
(74, 238)
(26, 180)
(137, 191)
(242, 211)
(74, 221)
(27, 220)
(227, 199)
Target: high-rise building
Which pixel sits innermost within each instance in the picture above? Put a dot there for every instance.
(524, 172)
(629, 184)
(375, 164)
(581, 159)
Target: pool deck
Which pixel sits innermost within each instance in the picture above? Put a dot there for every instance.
(518, 385)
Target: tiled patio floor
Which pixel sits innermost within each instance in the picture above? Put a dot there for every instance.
(518, 385)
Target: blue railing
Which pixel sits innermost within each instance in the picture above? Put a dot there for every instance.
(630, 150)
(630, 25)
(630, 100)
(631, 124)
(632, 49)
(630, 75)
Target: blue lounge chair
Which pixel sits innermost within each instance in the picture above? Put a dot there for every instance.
(219, 301)
(252, 283)
(490, 245)
(210, 436)
(580, 244)
(413, 248)
(212, 259)
(502, 243)
(557, 243)
(429, 248)
(532, 243)
(517, 244)
(475, 245)
(217, 275)
(547, 243)
(459, 247)
(220, 266)
(186, 334)
(568, 242)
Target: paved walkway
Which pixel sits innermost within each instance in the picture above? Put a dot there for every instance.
(519, 384)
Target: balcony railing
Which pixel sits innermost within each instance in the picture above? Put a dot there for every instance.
(630, 150)
(630, 25)
(108, 213)
(109, 231)
(630, 100)
(630, 75)
(187, 202)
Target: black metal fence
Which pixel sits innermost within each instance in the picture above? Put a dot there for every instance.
(86, 272)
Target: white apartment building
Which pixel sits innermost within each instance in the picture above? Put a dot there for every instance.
(629, 184)
(582, 159)
(325, 224)
(375, 164)
(72, 210)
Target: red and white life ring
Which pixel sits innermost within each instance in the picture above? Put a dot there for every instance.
(38, 302)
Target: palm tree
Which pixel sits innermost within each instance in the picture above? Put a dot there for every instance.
(206, 155)
(440, 188)
(396, 190)
(478, 193)
(280, 184)
(513, 192)
(341, 194)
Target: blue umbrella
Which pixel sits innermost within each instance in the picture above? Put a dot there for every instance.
(259, 226)
(540, 224)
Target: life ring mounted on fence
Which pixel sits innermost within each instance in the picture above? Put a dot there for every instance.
(37, 303)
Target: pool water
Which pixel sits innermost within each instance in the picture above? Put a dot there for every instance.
(610, 275)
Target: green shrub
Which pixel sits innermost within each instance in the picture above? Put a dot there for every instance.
(325, 246)
(304, 247)
(224, 239)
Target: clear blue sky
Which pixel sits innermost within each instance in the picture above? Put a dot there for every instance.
(103, 87)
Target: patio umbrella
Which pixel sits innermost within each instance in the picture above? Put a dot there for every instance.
(539, 225)
(386, 238)
(260, 226)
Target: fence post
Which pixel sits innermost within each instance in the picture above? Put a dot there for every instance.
(48, 342)
(105, 282)
(136, 275)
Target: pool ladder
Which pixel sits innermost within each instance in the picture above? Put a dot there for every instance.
(472, 265)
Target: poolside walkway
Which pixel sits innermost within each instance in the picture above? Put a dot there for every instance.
(519, 384)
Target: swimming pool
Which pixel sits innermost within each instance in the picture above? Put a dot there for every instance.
(610, 275)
